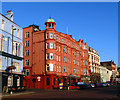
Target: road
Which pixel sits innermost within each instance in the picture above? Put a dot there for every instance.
(95, 93)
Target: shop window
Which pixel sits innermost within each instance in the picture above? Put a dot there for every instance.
(18, 81)
(54, 81)
(48, 81)
(10, 81)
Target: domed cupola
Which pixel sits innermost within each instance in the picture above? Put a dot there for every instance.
(50, 24)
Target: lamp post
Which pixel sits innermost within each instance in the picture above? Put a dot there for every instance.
(12, 58)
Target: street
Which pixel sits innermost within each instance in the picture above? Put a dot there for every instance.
(95, 93)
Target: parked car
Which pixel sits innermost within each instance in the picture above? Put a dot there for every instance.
(88, 86)
(108, 84)
(98, 84)
(82, 85)
(104, 84)
(74, 87)
(92, 85)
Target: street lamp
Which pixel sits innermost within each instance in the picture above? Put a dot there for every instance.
(12, 57)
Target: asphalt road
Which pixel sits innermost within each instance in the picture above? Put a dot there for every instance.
(94, 93)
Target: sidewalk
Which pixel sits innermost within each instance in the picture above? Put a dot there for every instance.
(17, 93)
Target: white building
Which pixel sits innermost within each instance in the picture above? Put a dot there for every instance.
(7, 27)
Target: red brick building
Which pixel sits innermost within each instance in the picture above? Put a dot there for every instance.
(51, 57)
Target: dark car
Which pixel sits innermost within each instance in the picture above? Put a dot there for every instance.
(88, 86)
(82, 85)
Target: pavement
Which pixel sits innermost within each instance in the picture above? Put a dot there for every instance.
(104, 93)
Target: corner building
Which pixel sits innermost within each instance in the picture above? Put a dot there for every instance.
(51, 57)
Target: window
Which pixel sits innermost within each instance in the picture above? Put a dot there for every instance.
(51, 35)
(84, 71)
(83, 54)
(83, 62)
(54, 35)
(27, 52)
(27, 34)
(10, 81)
(47, 56)
(86, 62)
(64, 58)
(27, 63)
(59, 68)
(73, 61)
(48, 81)
(47, 67)
(17, 32)
(18, 81)
(27, 72)
(62, 41)
(73, 52)
(0, 64)
(64, 68)
(47, 35)
(59, 48)
(3, 24)
(74, 70)
(56, 38)
(83, 46)
(59, 58)
(51, 56)
(51, 45)
(27, 43)
(59, 39)
(54, 81)
(63, 49)
(47, 45)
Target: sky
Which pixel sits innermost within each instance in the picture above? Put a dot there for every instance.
(94, 22)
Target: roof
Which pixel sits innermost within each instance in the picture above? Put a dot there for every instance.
(50, 20)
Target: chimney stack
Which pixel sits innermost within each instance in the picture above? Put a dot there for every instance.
(9, 15)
